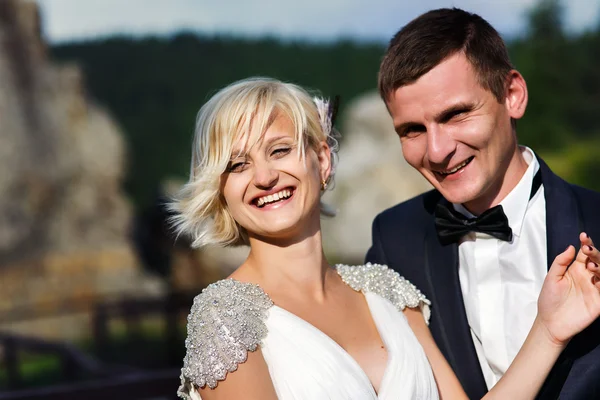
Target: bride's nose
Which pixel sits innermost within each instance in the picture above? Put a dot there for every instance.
(265, 177)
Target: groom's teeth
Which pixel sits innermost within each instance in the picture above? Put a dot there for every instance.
(459, 166)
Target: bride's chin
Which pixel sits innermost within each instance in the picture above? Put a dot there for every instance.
(289, 234)
(293, 229)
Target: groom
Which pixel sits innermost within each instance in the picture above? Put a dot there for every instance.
(454, 98)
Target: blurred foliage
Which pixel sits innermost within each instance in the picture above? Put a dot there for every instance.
(35, 370)
(125, 348)
(563, 78)
(155, 86)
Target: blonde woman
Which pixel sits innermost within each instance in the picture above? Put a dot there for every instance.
(287, 325)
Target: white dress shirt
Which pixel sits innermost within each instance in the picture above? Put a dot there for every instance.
(501, 281)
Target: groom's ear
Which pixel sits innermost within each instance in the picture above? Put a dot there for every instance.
(516, 95)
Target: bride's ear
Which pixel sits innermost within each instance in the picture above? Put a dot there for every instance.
(324, 157)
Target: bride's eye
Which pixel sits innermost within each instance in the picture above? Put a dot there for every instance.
(237, 166)
(281, 151)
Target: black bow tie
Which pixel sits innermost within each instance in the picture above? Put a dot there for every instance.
(452, 225)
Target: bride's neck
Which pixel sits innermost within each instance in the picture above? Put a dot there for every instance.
(296, 265)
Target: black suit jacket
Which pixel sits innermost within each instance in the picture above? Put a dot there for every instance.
(405, 239)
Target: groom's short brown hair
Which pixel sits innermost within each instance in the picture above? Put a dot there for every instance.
(432, 37)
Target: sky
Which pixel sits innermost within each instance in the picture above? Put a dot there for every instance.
(315, 20)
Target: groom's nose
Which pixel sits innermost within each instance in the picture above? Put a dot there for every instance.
(440, 144)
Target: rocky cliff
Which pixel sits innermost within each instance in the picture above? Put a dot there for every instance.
(64, 222)
(372, 175)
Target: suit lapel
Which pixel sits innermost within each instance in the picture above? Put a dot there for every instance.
(563, 225)
(448, 313)
(563, 219)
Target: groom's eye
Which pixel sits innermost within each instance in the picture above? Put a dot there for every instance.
(455, 113)
(412, 130)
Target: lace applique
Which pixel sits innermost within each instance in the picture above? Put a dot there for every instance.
(387, 283)
(226, 321)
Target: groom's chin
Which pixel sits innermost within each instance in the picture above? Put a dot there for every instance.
(457, 194)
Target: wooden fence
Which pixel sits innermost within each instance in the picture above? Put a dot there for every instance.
(109, 381)
(155, 385)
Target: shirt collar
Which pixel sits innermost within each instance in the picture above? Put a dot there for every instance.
(516, 202)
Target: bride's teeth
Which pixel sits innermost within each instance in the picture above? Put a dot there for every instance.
(284, 194)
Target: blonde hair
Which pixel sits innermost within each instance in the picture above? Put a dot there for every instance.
(229, 116)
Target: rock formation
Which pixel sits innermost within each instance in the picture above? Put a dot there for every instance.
(64, 222)
(371, 176)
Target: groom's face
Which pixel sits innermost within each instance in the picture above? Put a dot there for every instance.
(453, 131)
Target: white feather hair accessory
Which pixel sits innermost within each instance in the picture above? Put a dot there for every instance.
(323, 108)
(327, 110)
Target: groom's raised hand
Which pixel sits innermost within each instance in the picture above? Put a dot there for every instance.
(570, 297)
(590, 255)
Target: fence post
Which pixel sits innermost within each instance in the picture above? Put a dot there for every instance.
(130, 312)
(11, 360)
(171, 322)
(100, 329)
(69, 368)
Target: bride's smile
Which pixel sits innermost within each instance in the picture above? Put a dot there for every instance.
(273, 199)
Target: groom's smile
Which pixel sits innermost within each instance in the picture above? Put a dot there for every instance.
(449, 172)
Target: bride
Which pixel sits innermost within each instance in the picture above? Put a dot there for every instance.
(286, 324)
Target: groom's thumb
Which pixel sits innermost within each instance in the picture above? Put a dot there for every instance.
(561, 262)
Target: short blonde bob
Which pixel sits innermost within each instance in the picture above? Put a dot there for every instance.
(246, 106)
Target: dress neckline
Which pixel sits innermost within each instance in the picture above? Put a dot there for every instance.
(335, 344)
(376, 393)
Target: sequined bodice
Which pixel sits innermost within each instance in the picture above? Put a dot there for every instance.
(226, 321)
(231, 318)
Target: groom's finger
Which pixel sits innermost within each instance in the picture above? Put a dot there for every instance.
(561, 263)
(593, 268)
(587, 246)
(591, 253)
(595, 276)
(585, 238)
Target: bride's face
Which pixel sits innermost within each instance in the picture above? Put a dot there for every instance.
(270, 190)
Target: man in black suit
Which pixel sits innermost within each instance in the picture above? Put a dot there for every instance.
(480, 243)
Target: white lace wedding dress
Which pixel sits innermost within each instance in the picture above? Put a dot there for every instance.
(231, 318)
